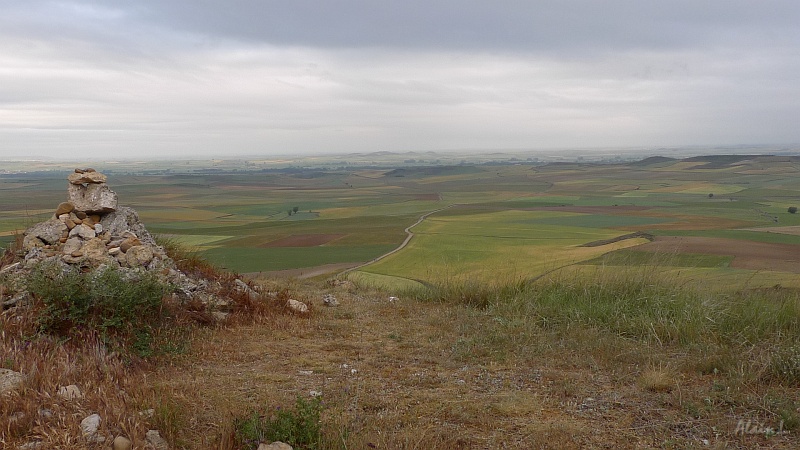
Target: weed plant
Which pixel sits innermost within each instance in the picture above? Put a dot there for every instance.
(299, 428)
(124, 308)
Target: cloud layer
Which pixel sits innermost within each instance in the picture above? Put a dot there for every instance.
(194, 79)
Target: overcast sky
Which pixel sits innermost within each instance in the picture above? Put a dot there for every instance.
(199, 78)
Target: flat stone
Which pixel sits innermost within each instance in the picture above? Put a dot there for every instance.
(92, 198)
(90, 425)
(86, 178)
(70, 392)
(80, 215)
(83, 231)
(10, 380)
(70, 223)
(64, 208)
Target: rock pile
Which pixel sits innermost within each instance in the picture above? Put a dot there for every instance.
(90, 230)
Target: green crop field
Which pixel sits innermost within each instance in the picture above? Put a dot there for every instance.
(489, 222)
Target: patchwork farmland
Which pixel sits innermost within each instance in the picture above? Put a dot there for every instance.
(503, 222)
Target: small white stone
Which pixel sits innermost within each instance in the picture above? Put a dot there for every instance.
(296, 306)
(315, 393)
(393, 299)
(89, 425)
(70, 392)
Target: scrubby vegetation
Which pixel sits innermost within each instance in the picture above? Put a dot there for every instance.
(126, 310)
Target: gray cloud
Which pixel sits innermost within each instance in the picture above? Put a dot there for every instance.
(190, 78)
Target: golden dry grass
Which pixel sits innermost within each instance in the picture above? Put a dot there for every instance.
(396, 375)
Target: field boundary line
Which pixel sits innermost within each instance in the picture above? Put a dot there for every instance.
(409, 235)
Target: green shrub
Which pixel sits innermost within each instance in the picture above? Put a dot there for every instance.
(121, 307)
(299, 428)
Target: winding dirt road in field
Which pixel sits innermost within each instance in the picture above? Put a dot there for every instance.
(409, 235)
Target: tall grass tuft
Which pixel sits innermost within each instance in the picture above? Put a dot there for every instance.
(640, 304)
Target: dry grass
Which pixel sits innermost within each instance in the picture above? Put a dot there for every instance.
(407, 374)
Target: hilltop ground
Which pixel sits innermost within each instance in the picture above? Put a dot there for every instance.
(421, 374)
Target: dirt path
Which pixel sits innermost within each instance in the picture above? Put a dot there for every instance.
(409, 235)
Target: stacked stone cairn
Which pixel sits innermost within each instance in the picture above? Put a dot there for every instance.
(90, 229)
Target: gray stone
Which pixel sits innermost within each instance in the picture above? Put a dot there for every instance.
(154, 438)
(10, 380)
(70, 392)
(31, 446)
(330, 300)
(73, 244)
(92, 198)
(83, 231)
(139, 255)
(98, 228)
(125, 219)
(297, 306)
(48, 232)
(89, 427)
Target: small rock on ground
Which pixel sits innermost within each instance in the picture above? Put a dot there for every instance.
(154, 438)
(277, 445)
(10, 380)
(297, 306)
(121, 443)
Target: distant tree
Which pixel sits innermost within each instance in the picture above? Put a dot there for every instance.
(710, 195)
(289, 212)
(295, 209)
(792, 209)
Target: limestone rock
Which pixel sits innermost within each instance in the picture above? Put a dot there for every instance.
(297, 306)
(31, 242)
(125, 219)
(329, 300)
(64, 208)
(129, 242)
(48, 232)
(241, 286)
(10, 380)
(70, 392)
(139, 255)
(92, 198)
(73, 244)
(95, 251)
(121, 443)
(154, 438)
(86, 178)
(36, 445)
(89, 427)
(83, 231)
(277, 445)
